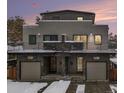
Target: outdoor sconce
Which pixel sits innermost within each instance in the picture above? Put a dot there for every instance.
(96, 58)
(38, 34)
(30, 57)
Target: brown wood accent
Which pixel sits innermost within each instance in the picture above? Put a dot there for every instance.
(113, 75)
(11, 73)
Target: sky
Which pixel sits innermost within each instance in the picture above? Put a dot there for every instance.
(105, 10)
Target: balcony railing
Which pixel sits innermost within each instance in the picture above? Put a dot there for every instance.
(50, 45)
(56, 45)
(65, 46)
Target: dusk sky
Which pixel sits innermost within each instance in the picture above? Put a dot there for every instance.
(28, 9)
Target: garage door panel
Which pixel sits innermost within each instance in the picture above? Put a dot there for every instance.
(96, 71)
(30, 70)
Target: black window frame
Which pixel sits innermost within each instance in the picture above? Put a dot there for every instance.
(56, 17)
(32, 42)
(51, 37)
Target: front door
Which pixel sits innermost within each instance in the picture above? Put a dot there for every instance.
(66, 64)
(50, 64)
(80, 64)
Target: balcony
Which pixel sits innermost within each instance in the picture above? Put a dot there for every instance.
(62, 46)
(57, 46)
(50, 45)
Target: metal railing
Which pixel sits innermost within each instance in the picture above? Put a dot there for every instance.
(56, 45)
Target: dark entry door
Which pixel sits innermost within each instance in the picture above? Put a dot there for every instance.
(52, 65)
(67, 65)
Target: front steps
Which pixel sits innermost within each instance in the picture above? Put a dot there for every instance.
(72, 78)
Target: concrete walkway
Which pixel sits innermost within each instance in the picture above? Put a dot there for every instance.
(72, 88)
(97, 87)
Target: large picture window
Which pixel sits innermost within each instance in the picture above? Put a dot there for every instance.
(32, 39)
(50, 37)
(98, 39)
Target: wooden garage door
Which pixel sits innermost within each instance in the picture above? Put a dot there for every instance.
(96, 71)
(30, 71)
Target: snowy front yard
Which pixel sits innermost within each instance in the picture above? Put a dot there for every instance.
(60, 86)
(113, 88)
(24, 87)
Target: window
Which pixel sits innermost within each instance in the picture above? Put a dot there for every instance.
(56, 18)
(98, 39)
(32, 39)
(79, 64)
(82, 38)
(50, 38)
(80, 18)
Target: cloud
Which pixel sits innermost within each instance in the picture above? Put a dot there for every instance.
(35, 5)
(104, 9)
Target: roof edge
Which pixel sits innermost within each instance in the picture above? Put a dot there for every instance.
(49, 12)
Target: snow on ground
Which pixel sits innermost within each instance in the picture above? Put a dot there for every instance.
(80, 89)
(114, 60)
(57, 87)
(113, 88)
(24, 87)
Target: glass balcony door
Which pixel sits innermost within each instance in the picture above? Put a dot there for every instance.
(82, 38)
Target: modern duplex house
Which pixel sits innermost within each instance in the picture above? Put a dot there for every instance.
(64, 43)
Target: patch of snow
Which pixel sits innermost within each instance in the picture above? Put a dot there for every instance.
(80, 89)
(15, 47)
(113, 88)
(114, 60)
(57, 87)
(31, 51)
(24, 87)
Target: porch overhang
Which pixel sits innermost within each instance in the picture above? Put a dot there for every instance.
(108, 51)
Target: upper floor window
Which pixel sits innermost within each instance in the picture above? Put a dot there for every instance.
(50, 37)
(82, 38)
(98, 39)
(56, 18)
(32, 39)
(80, 18)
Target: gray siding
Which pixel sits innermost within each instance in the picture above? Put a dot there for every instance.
(66, 15)
(68, 28)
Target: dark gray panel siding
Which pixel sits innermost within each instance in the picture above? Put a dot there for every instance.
(69, 16)
(68, 28)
